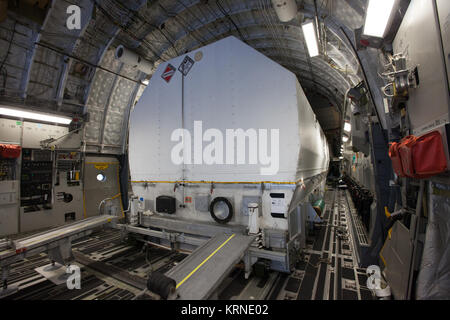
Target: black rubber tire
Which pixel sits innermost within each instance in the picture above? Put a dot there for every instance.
(161, 285)
(230, 210)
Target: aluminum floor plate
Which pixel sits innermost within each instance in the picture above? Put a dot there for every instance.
(55, 273)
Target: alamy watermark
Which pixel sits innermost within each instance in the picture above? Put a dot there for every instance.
(374, 279)
(73, 22)
(229, 151)
(74, 279)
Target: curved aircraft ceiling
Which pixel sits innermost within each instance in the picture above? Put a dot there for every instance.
(74, 71)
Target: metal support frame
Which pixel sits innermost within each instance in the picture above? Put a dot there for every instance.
(249, 9)
(68, 63)
(126, 119)
(197, 234)
(107, 106)
(37, 38)
(414, 231)
(56, 242)
(170, 236)
(383, 173)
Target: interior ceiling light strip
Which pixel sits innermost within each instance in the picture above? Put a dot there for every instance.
(347, 127)
(309, 32)
(16, 113)
(377, 17)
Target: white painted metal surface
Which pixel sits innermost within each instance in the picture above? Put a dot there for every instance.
(419, 39)
(10, 131)
(443, 8)
(232, 87)
(30, 134)
(95, 191)
(9, 207)
(253, 220)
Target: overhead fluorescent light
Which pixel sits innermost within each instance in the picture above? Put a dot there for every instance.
(310, 34)
(34, 116)
(344, 138)
(347, 127)
(377, 17)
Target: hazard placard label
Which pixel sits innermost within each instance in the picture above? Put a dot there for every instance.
(186, 65)
(168, 73)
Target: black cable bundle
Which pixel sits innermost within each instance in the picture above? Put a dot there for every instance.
(3, 70)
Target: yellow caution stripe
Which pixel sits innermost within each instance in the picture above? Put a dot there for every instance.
(204, 261)
(386, 212)
(102, 163)
(382, 259)
(116, 196)
(384, 245)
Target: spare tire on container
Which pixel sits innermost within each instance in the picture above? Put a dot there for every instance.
(221, 210)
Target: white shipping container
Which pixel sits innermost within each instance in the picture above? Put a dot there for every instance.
(229, 86)
(232, 86)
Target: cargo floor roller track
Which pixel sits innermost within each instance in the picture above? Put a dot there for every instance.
(55, 240)
(199, 274)
(62, 232)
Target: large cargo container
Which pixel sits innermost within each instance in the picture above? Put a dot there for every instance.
(226, 86)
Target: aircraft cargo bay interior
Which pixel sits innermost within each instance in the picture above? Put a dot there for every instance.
(224, 150)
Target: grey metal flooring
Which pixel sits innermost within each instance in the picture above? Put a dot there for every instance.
(329, 269)
(113, 269)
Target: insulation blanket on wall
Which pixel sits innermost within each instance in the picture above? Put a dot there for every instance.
(433, 282)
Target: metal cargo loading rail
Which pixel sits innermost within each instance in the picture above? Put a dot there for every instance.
(217, 251)
(202, 271)
(56, 242)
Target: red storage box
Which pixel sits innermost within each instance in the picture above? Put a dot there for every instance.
(396, 161)
(428, 155)
(419, 157)
(405, 151)
(10, 151)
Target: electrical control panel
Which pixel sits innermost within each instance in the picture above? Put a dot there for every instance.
(68, 189)
(36, 179)
(52, 188)
(69, 164)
